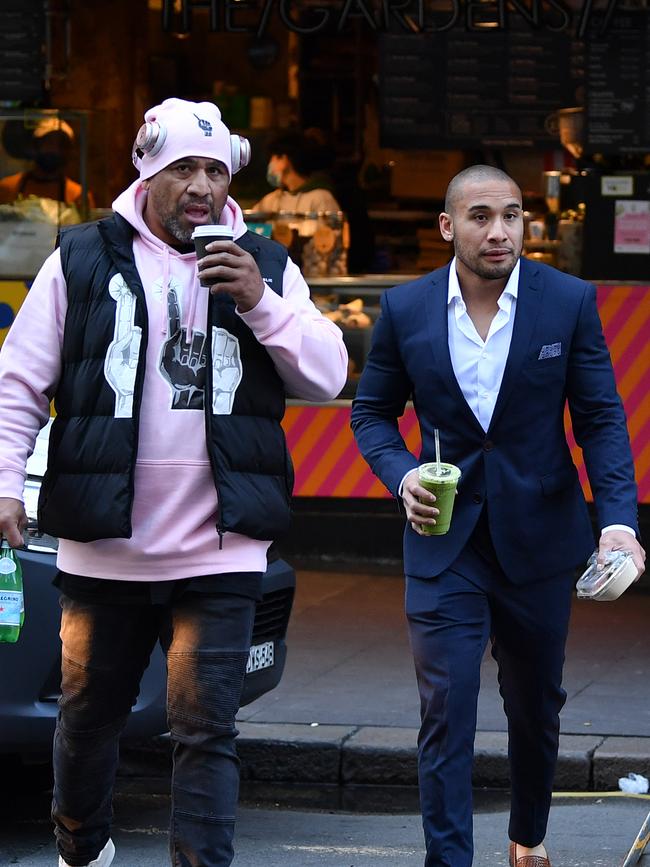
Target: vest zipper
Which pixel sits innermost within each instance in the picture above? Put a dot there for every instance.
(207, 405)
(120, 250)
(213, 322)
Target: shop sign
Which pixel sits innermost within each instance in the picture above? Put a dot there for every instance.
(391, 16)
(616, 185)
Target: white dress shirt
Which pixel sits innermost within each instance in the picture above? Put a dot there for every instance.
(479, 364)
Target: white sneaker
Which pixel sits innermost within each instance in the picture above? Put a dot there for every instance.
(104, 859)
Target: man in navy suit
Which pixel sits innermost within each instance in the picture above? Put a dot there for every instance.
(489, 349)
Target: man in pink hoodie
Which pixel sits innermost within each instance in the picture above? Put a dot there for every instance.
(168, 474)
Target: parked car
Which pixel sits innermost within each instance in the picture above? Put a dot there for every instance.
(30, 669)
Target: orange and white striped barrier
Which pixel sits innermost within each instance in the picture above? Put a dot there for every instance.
(328, 464)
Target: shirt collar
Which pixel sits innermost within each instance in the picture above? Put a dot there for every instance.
(511, 288)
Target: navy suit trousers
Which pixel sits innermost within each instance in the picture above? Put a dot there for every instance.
(451, 618)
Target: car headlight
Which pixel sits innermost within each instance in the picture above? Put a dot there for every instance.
(34, 539)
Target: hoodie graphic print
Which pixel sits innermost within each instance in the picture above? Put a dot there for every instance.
(182, 361)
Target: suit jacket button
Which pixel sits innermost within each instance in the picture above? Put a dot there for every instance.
(488, 445)
(477, 498)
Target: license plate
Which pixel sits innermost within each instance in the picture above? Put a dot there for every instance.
(260, 656)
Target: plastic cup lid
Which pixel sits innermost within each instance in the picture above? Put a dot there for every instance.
(448, 472)
(213, 231)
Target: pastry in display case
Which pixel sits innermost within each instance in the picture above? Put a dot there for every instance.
(354, 308)
(350, 315)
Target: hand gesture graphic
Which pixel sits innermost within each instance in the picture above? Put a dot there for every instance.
(226, 370)
(121, 363)
(182, 363)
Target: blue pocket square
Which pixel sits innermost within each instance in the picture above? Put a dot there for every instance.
(550, 350)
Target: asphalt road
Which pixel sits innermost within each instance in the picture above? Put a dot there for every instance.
(584, 832)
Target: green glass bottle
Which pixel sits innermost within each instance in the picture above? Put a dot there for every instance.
(12, 606)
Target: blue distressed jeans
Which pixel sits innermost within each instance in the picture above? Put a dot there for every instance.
(106, 648)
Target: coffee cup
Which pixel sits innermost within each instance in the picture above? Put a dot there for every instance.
(204, 235)
(442, 480)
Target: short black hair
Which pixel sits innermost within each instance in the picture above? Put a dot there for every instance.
(473, 173)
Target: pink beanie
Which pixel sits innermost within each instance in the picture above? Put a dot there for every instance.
(176, 129)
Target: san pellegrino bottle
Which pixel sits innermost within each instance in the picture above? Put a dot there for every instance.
(12, 606)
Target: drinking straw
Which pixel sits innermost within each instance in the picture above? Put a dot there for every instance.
(436, 434)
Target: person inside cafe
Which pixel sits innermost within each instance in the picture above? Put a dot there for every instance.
(296, 171)
(47, 178)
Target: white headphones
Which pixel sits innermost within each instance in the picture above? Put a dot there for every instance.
(151, 139)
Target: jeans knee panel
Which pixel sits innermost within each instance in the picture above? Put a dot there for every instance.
(206, 687)
(91, 698)
(72, 729)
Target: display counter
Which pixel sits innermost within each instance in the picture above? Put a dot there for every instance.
(325, 456)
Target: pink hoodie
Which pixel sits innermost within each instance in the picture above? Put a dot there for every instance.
(174, 508)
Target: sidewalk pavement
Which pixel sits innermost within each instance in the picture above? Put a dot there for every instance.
(346, 711)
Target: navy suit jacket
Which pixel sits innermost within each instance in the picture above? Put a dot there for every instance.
(522, 467)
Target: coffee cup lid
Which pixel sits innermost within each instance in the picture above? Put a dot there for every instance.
(214, 231)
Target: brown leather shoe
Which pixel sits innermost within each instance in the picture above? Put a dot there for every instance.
(526, 860)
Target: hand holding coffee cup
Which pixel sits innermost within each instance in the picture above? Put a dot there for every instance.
(227, 268)
(204, 235)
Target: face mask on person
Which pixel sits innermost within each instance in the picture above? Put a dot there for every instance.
(273, 179)
(49, 162)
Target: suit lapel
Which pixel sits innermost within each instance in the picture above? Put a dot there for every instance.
(529, 298)
(439, 341)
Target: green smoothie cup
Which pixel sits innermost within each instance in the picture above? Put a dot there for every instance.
(441, 479)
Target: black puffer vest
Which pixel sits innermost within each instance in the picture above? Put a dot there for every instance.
(87, 492)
